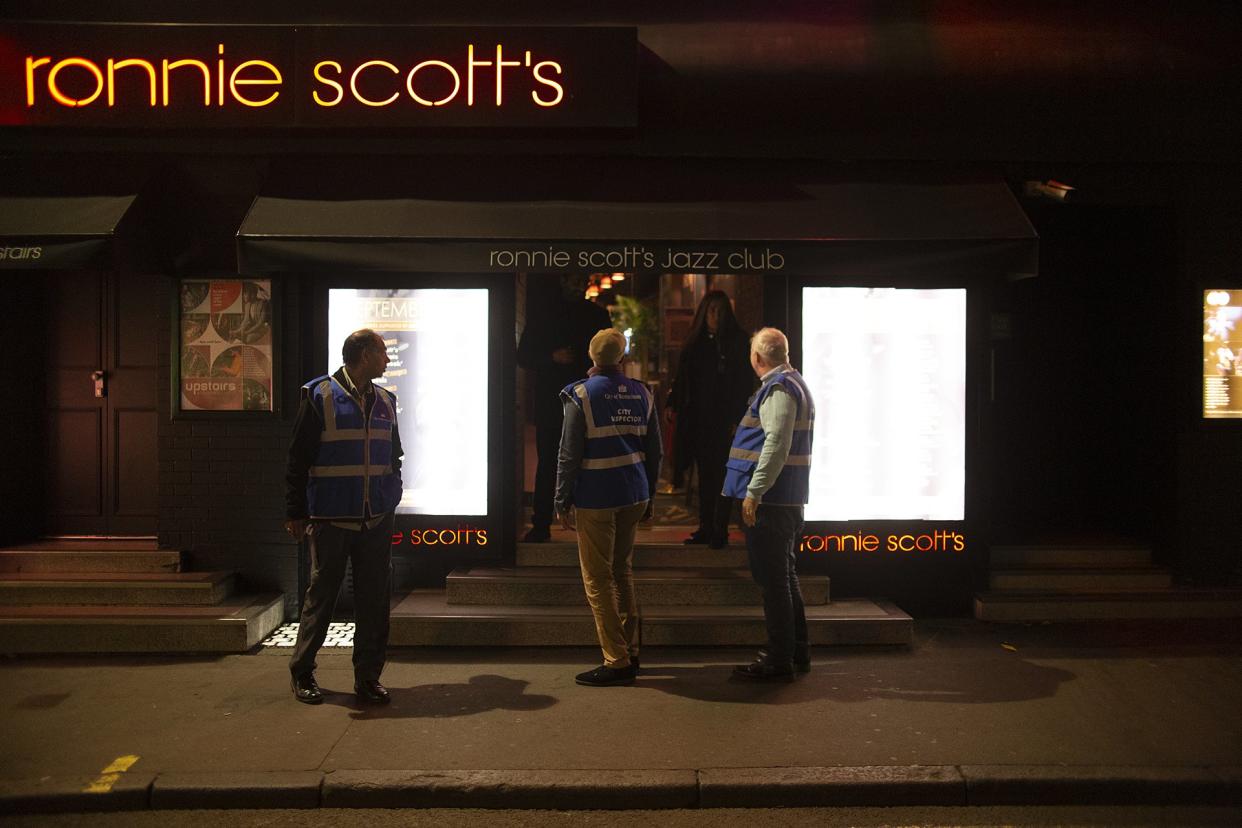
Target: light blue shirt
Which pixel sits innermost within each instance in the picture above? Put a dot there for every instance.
(777, 415)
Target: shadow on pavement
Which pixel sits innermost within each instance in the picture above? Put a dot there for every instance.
(1005, 680)
(442, 701)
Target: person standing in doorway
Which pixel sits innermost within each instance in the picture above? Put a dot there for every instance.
(608, 465)
(343, 487)
(769, 470)
(709, 394)
(559, 324)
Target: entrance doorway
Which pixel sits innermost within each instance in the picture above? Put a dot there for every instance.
(657, 313)
(101, 414)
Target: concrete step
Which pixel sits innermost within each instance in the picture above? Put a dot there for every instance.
(562, 586)
(1081, 579)
(646, 555)
(115, 589)
(82, 543)
(427, 618)
(1060, 606)
(233, 626)
(1090, 556)
(22, 559)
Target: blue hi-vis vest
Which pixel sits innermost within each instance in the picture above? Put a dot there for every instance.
(617, 410)
(354, 464)
(793, 484)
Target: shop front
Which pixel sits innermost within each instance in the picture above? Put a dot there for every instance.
(881, 285)
(435, 183)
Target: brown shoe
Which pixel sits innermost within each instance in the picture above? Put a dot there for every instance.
(764, 670)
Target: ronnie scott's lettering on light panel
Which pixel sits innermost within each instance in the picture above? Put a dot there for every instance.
(438, 368)
(887, 368)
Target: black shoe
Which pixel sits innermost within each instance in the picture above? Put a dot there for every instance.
(370, 691)
(604, 676)
(801, 659)
(719, 542)
(537, 534)
(306, 690)
(699, 538)
(634, 664)
(764, 670)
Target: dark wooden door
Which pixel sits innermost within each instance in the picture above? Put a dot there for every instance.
(101, 447)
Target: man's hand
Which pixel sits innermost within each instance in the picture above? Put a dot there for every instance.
(296, 527)
(567, 518)
(563, 356)
(749, 505)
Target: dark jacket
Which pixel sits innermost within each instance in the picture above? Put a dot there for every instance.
(553, 323)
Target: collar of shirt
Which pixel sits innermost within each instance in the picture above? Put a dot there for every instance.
(353, 389)
(778, 369)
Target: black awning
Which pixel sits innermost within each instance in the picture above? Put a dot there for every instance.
(850, 228)
(65, 232)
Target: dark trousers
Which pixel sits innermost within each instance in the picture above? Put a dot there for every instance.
(548, 424)
(770, 544)
(371, 553)
(711, 452)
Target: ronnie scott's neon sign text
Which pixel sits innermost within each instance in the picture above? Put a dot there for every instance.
(78, 81)
(940, 540)
(131, 75)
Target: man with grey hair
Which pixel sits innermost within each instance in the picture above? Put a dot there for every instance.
(769, 470)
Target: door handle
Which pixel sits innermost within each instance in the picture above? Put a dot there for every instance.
(101, 385)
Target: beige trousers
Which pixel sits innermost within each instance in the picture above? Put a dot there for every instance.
(606, 553)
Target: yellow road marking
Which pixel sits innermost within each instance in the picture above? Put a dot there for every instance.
(103, 784)
(109, 775)
(120, 764)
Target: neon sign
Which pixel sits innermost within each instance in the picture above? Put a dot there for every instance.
(459, 536)
(940, 540)
(92, 75)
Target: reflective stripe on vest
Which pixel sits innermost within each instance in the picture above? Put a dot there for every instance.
(616, 410)
(352, 474)
(792, 485)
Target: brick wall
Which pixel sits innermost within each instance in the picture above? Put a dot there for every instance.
(222, 481)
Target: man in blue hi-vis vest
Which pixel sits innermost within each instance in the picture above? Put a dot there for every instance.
(606, 476)
(343, 487)
(769, 470)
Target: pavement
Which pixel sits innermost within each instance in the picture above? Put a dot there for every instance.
(972, 714)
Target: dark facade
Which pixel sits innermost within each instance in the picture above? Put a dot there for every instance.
(1085, 381)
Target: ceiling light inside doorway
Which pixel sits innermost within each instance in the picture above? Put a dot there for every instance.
(1050, 189)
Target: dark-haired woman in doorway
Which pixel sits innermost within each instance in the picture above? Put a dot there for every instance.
(713, 383)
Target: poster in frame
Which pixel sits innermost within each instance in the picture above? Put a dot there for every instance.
(225, 360)
(1222, 354)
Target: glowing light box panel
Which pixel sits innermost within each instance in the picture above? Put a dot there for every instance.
(1222, 354)
(437, 347)
(887, 368)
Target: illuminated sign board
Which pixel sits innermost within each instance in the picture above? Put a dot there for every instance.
(440, 377)
(1222, 354)
(120, 75)
(887, 369)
